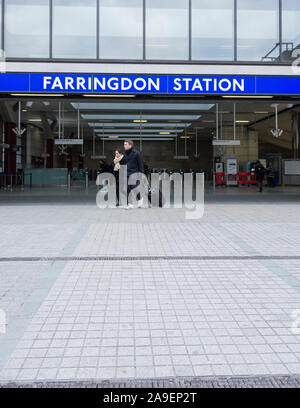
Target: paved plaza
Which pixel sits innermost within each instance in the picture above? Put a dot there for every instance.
(97, 295)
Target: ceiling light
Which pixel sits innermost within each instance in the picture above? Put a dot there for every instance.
(184, 137)
(34, 120)
(261, 113)
(137, 131)
(135, 137)
(164, 133)
(143, 139)
(43, 95)
(108, 96)
(242, 121)
(249, 96)
(138, 126)
(119, 117)
(140, 121)
(141, 107)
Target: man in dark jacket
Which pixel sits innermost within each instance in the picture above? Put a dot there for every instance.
(134, 162)
(260, 174)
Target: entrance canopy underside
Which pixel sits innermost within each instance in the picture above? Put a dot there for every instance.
(142, 116)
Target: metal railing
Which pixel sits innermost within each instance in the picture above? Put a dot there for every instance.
(86, 181)
(18, 178)
(289, 46)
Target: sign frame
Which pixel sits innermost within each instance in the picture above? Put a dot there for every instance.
(68, 142)
(223, 142)
(165, 84)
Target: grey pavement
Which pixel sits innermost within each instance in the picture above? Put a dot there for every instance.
(133, 316)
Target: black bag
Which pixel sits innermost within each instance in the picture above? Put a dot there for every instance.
(156, 195)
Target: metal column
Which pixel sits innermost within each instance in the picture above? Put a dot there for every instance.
(86, 182)
(295, 134)
(69, 181)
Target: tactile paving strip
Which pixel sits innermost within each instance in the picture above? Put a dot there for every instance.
(194, 382)
(148, 258)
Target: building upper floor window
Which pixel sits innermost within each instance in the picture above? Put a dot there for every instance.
(213, 30)
(121, 29)
(152, 30)
(26, 25)
(258, 30)
(167, 32)
(74, 29)
(290, 30)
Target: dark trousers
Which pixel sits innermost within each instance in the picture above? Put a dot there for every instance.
(116, 174)
(271, 181)
(130, 188)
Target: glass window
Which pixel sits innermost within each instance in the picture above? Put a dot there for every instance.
(74, 29)
(258, 30)
(167, 29)
(1, 30)
(290, 29)
(121, 29)
(213, 30)
(27, 28)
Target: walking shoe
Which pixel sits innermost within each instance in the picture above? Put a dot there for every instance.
(129, 207)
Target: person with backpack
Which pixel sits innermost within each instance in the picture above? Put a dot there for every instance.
(260, 171)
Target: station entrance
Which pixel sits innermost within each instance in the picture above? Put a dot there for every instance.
(62, 141)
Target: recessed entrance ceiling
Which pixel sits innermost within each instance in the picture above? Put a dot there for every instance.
(145, 119)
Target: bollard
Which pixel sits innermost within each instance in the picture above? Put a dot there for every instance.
(86, 182)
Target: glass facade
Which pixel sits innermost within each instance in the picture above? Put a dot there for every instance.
(1, 30)
(290, 29)
(167, 31)
(213, 30)
(258, 31)
(26, 28)
(121, 29)
(74, 28)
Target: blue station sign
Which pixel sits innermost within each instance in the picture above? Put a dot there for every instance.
(149, 84)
